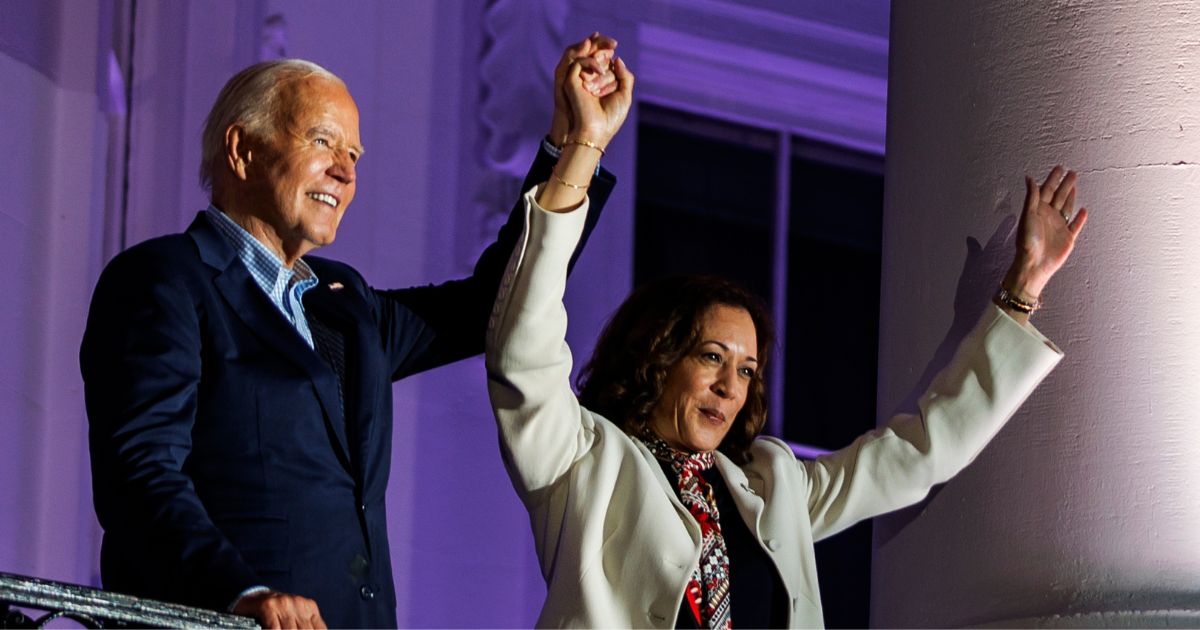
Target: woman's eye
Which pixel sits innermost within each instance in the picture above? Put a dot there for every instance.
(711, 356)
(747, 372)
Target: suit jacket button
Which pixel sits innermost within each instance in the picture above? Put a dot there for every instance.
(366, 592)
(773, 544)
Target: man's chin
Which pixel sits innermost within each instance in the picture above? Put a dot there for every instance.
(322, 239)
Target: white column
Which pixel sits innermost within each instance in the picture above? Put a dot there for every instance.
(1085, 510)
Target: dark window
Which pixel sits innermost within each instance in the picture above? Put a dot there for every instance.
(705, 199)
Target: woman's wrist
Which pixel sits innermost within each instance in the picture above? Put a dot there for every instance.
(1024, 282)
(583, 142)
(597, 137)
(569, 179)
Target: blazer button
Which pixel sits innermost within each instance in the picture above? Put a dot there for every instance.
(366, 592)
(773, 544)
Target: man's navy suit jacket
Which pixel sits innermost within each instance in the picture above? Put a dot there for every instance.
(223, 453)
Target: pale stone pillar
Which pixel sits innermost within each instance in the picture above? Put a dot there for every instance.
(1085, 510)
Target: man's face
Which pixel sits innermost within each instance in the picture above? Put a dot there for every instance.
(305, 171)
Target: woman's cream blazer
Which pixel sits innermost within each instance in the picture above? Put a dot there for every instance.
(615, 545)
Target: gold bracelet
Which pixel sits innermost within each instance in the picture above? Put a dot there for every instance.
(1013, 301)
(567, 183)
(585, 143)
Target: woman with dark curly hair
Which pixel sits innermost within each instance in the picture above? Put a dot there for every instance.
(653, 500)
(660, 326)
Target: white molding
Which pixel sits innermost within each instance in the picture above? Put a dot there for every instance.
(828, 35)
(786, 80)
(515, 87)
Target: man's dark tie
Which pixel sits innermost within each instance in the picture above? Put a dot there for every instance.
(332, 348)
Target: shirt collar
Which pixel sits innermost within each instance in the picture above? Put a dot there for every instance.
(259, 258)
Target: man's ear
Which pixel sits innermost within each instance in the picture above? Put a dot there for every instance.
(237, 150)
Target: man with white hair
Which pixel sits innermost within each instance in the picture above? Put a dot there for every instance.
(239, 390)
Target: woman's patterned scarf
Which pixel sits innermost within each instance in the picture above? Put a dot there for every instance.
(708, 591)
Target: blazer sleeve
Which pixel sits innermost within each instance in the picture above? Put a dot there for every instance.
(140, 360)
(426, 327)
(543, 429)
(995, 368)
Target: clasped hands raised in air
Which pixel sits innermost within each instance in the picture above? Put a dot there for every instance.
(593, 91)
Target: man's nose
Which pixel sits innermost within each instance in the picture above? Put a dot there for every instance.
(343, 168)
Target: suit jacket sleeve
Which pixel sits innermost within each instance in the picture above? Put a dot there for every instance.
(995, 368)
(140, 360)
(425, 327)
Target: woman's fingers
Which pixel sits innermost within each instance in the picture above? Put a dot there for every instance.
(574, 87)
(1068, 205)
(596, 75)
(624, 78)
(1065, 189)
(1051, 183)
(570, 55)
(606, 88)
(600, 40)
(1032, 195)
(592, 65)
(1076, 224)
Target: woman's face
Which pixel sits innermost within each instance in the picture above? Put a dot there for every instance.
(706, 389)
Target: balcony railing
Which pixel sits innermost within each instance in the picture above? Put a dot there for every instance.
(95, 608)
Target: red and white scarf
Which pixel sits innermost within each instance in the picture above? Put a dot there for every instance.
(708, 591)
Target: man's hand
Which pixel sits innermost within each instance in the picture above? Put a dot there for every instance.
(595, 55)
(273, 609)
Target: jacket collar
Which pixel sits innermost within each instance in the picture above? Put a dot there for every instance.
(750, 504)
(256, 311)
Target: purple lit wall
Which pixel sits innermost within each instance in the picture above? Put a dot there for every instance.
(1084, 511)
(454, 95)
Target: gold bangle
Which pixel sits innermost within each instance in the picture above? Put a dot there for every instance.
(585, 143)
(1017, 303)
(567, 183)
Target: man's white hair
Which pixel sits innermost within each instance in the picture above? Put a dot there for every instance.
(251, 99)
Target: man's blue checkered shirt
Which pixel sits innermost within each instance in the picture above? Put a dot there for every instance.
(284, 286)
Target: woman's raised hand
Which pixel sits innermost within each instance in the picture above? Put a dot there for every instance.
(599, 93)
(1046, 233)
(595, 54)
(593, 91)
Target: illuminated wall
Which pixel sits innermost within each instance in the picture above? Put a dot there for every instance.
(1085, 510)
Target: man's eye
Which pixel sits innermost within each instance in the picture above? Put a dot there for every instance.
(321, 141)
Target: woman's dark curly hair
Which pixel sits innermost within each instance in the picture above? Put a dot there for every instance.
(656, 327)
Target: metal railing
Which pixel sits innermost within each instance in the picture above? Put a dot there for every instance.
(95, 608)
